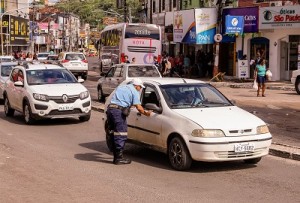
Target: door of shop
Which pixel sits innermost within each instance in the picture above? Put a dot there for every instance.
(283, 60)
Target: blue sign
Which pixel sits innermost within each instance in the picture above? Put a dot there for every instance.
(234, 24)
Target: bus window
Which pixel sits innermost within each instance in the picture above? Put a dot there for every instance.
(134, 31)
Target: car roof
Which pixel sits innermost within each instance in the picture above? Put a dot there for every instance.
(42, 66)
(170, 81)
(7, 63)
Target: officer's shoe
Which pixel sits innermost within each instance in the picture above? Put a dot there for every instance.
(120, 161)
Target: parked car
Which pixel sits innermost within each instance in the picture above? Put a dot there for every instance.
(41, 91)
(53, 59)
(192, 120)
(42, 56)
(105, 62)
(296, 80)
(76, 62)
(120, 72)
(5, 69)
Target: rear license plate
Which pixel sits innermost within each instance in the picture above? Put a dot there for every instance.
(65, 107)
(244, 147)
(75, 64)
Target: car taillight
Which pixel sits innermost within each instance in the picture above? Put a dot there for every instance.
(65, 61)
(84, 61)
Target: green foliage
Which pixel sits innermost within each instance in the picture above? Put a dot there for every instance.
(92, 11)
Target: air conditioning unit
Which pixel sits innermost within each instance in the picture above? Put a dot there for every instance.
(275, 3)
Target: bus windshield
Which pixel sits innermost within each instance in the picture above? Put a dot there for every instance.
(134, 31)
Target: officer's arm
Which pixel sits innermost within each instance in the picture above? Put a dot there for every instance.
(142, 110)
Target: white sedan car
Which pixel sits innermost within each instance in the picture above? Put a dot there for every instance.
(192, 120)
(42, 91)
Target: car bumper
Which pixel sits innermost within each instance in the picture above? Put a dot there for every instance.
(217, 149)
(52, 109)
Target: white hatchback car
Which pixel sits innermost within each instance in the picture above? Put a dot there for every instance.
(45, 91)
(192, 120)
(5, 68)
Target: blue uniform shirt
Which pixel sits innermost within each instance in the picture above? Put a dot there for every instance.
(126, 96)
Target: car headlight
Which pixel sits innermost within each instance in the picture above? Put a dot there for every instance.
(84, 95)
(263, 129)
(40, 97)
(207, 133)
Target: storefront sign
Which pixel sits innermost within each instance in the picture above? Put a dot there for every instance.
(279, 17)
(243, 69)
(19, 31)
(250, 15)
(234, 24)
(184, 29)
(206, 21)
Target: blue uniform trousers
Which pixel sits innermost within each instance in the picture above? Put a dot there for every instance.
(119, 124)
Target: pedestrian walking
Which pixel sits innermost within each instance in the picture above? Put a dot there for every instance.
(124, 97)
(260, 76)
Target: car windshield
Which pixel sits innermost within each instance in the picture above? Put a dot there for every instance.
(52, 57)
(5, 70)
(182, 96)
(49, 76)
(142, 71)
(74, 57)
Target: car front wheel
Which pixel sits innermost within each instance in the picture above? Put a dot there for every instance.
(297, 85)
(28, 114)
(179, 155)
(85, 118)
(7, 110)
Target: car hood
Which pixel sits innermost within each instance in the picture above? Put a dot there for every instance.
(221, 117)
(59, 89)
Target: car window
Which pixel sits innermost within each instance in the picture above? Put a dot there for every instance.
(110, 73)
(5, 70)
(118, 71)
(49, 76)
(149, 95)
(74, 57)
(142, 71)
(14, 75)
(193, 95)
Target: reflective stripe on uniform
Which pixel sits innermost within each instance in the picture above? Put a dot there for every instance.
(120, 133)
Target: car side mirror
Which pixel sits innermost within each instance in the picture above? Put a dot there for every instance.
(153, 107)
(19, 84)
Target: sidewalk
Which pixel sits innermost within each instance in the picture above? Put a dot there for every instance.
(276, 149)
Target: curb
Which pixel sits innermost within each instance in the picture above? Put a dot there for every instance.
(276, 149)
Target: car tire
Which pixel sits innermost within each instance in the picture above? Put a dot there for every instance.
(252, 161)
(9, 112)
(101, 97)
(297, 85)
(28, 114)
(109, 137)
(179, 156)
(85, 118)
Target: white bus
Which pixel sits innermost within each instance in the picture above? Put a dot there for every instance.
(141, 41)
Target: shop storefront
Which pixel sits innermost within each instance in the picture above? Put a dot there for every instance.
(281, 26)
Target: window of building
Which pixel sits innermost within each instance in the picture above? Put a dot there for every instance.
(163, 6)
(159, 6)
(154, 7)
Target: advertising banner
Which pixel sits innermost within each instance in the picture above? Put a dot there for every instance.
(19, 31)
(206, 22)
(184, 29)
(243, 69)
(250, 15)
(234, 24)
(279, 17)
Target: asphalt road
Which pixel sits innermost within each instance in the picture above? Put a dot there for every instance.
(68, 161)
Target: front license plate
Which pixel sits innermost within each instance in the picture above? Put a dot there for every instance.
(244, 147)
(65, 107)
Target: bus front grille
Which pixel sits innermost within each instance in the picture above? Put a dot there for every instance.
(141, 49)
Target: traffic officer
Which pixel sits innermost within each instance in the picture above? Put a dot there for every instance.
(125, 96)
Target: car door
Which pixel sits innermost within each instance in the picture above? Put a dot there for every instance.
(15, 93)
(148, 129)
(117, 78)
(106, 81)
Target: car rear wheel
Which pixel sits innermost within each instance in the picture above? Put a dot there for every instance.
(85, 118)
(7, 110)
(28, 114)
(101, 97)
(179, 156)
(297, 85)
(252, 161)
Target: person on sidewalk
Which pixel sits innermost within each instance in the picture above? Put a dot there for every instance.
(124, 97)
(260, 76)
